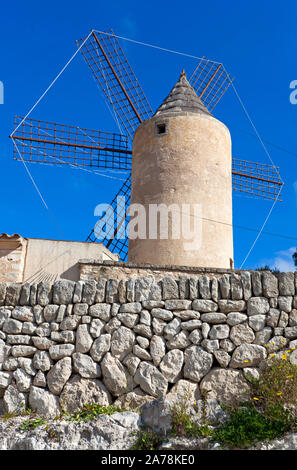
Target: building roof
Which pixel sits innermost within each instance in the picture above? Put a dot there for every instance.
(182, 98)
(14, 236)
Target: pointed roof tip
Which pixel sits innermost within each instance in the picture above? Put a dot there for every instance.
(182, 98)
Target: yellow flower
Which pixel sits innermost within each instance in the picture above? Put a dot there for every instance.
(289, 376)
(271, 355)
(245, 360)
(279, 393)
(255, 398)
(284, 356)
(195, 403)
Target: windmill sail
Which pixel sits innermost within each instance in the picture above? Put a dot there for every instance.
(210, 81)
(52, 143)
(115, 223)
(111, 69)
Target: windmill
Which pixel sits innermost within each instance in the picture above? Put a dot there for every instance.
(52, 143)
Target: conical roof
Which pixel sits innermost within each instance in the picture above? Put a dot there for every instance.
(182, 98)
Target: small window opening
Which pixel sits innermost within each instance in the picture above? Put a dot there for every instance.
(161, 128)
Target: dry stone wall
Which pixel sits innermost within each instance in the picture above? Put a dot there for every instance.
(69, 343)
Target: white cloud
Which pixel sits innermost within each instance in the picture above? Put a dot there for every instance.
(282, 260)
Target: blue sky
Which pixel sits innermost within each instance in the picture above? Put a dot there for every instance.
(257, 43)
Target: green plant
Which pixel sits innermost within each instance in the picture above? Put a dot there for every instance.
(32, 423)
(91, 411)
(184, 425)
(277, 385)
(147, 439)
(248, 425)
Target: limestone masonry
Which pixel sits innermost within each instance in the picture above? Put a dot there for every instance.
(69, 343)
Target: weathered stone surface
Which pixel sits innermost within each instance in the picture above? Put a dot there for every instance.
(27, 365)
(197, 363)
(50, 312)
(183, 287)
(39, 379)
(58, 375)
(283, 320)
(257, 322)
(293, 318)
(114, 375)
(131, 362)
(14, 401)
(128, 319)
(141, 353)
(204, 305)
(225, 286)
(219, 332)
(44, 293)
(156, 415)
(42, 361)
(157, 349)
(213, 318)
(13, 291)
(193, 288)
(169, 289)
(97, 327)
(162, 314)
(257, 306)
(172, 328)
(222, 357)
(285, 303)
(144, 330)
(286, 283)
(131, 307)
(84, 340)
(210, 345)
(227, 386)
(89, 292)
(184, 392)
(236, 287)
(133, 400)
(63, 291)
(122, 341)
(248, 355)
(22, 350)
(171, 365)
(70, 323)
(291, 332)
(84, 365)
(151, 380)
(215, 295)
(12, 326)
(235, 318)
(179, 341)
(80, 309)
(263, 336)
(101, 311)
(195, 336)
(45, 403)
(42, 343)
(59, 351)
(25, 294)
(246, 280)
(272, 317)
(142, 289)
(276, 343)
(177, 304)
(185, 315)
(2, 293)
(269, 284)
(22, 380)
(18, 339)
(23, 313)
(5, 379)
(204, 287)
(227, 306)
(100, 346)
(256, 283)
(79, 391)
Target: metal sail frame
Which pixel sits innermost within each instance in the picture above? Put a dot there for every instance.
(59, 144)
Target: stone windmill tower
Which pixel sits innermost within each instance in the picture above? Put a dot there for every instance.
(179, 157)
(182, 159)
